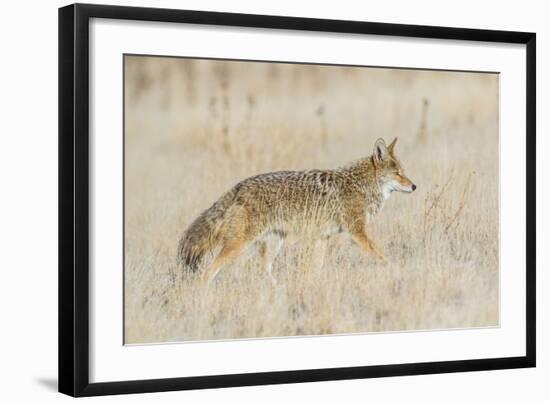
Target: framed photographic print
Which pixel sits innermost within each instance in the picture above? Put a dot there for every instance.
(251, 199)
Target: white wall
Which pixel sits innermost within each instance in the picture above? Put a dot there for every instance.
(28, 198)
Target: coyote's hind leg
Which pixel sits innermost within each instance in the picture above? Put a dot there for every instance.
(235, 234)
(229, 252)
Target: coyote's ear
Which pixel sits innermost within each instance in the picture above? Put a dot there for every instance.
(392, 146)
(380, 150)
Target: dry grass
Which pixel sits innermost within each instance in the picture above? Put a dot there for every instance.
(195, 128)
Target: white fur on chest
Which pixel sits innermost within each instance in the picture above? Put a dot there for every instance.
(387, 188)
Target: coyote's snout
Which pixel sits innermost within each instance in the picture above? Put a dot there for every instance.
(280, 204)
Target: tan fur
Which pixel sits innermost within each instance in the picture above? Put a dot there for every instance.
(281, 204)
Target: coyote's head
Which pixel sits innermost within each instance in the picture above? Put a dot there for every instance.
(389, 171)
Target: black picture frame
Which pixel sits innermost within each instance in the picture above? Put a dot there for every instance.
(74, 193)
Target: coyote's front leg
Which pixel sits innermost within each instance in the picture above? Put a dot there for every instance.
(358, 230)
(364, 242)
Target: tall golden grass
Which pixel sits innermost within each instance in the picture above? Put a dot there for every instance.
(194, 128)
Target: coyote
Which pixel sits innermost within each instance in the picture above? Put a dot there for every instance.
(280, 204)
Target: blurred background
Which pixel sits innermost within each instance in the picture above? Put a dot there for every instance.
(194, 128)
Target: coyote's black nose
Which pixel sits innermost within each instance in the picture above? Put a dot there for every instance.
(413, 187)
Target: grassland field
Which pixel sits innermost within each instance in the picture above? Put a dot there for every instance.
(194, 128)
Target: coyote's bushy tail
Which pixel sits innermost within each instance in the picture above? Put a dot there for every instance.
(203, 235)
